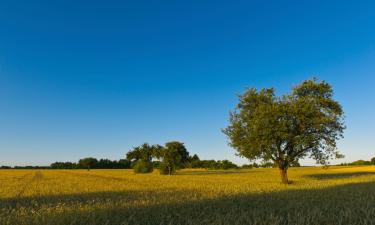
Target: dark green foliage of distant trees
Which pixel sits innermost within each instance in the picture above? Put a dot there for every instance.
(97, 164)
(141, 157)
(88, 163)
(5, 167)
(217, 165)
(173, 156)
(64, 165)
(169, 158)
(305, 123)
(143, 167)
(268, 164)
(360, 163)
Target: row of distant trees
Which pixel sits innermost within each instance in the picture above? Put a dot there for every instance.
(93, 163)
(360, 163)
(169, 158)
(193, 162)
(144, 159)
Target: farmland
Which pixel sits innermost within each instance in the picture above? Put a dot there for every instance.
(337, 195)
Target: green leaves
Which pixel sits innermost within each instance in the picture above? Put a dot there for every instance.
(306, 122)
(174, 155)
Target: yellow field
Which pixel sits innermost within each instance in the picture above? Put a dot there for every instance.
(339, 195)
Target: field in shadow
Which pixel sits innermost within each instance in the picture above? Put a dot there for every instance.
(346, 204)
(327, 176)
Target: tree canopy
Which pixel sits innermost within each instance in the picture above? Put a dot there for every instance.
(141, 157)
(304, 123)
(174, 156)
(88, 163)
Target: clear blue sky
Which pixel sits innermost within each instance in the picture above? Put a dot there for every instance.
(96, 78)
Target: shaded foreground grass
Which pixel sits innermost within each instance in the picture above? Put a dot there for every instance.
(342, 197)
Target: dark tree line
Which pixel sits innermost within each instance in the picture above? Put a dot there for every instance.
(268, 164)
(195, 162)
(144, 159)
(92, 163)
(360, 163)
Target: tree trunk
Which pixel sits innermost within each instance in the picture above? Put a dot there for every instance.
(284, 175)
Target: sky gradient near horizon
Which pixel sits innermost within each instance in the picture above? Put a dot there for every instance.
(95, 78)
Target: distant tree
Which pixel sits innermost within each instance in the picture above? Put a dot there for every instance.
(194, 161)
(124, 164)
(373, 161)
(106, 164)
(226, 165)
(174, 156)
(88, 163)
(305, 123)
(141, 157)
(5, 167)
(360, 163)
(144, 152)
(193, 158)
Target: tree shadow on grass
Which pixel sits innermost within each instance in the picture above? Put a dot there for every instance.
(328, 176)
(345, 204)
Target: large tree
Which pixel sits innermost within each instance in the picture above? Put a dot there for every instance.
(141, 157)
(174, 156)
(304, 123)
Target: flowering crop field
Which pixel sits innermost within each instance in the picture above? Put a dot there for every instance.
(337, 195)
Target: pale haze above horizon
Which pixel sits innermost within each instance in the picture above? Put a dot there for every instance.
(81, 79)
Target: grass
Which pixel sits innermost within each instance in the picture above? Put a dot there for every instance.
(339, 195)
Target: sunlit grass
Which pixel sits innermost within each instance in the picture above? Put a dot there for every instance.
(338, 195)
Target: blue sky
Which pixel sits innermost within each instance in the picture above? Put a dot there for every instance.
(95, 78)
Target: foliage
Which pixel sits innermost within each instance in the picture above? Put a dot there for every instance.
(305, 123)
(89, 163)
(64, 165)
(99, 164)
(141, 157)
(166, 169)
(143, 152)
(174, 156)
(143, 167)
(360, 162)
(213, 164)
(193, 161)
(5, 167)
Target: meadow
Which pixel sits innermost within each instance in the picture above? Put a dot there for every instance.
(337, 195)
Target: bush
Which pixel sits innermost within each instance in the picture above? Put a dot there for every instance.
(143, 167)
